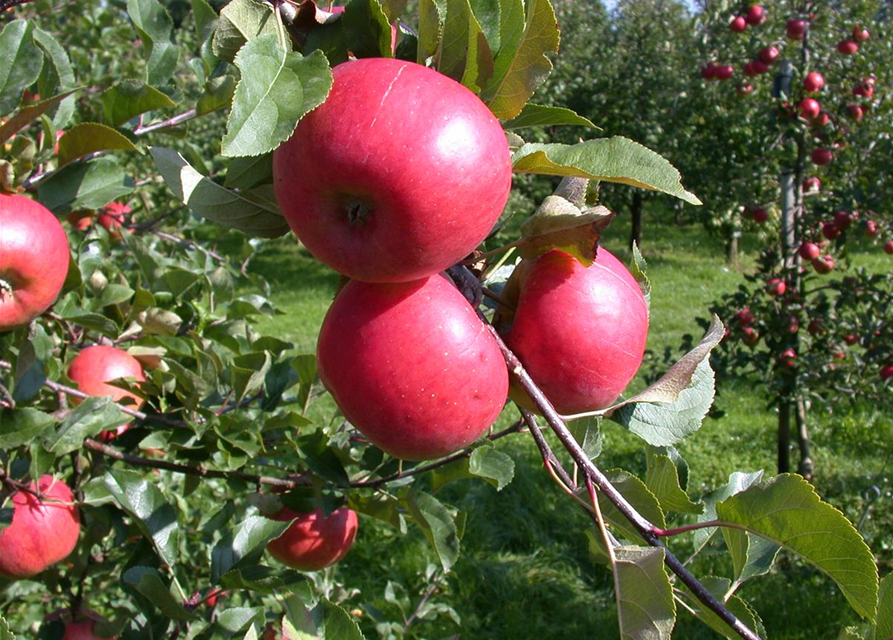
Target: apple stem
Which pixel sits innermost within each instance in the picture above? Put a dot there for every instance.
(595, 475)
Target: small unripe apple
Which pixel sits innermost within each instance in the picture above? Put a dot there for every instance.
(750, 336)
(788, 359)
(809, 251)
(813, 82)
(34, 259)
(822, 156)
(796, 29)
(756, 15)
(738, 24)
(888, 247)
(314, 541)
(812, 185)
(842, 220)
(584, 355)
(860, 34)
(809, 108)
(847, 47)
(398, 175)
(43, 531)
(96, 366)
(887, 372)
(724, 72)
(760, 215)
(776, 287)
(769, 54)
(869, 228)
(411, 366)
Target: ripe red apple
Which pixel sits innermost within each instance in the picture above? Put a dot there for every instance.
(788, 359)
(851, 339)
(43, 531)
(888, 247)
(84, 628)
(708, 71)
(314, 542)
(744, 89)
(860, 34)
(411, 366)
(751, 336)
(813, 82)
(756, 15)
(793, 324)
(744, 317)
(822, 156)
(855, 112)
(887, 372)
(760, 215)
(738, 24)
(869, 228)
(759, 67)
(863, 90)
(81, 220)
(843, 220)
(769, 54)
(776, 287)
(821, 120)
(33, 260)
(812, 185)
(796, 29)
(809, 251)
(95, 366)
(112, 217)
(830, 230)
(400, 174)
(809, 108)
(579, 331)
(749, 71)
(847, 47)
(723, 72)
(823, 265)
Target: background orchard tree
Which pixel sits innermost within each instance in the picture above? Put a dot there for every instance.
(152, 138)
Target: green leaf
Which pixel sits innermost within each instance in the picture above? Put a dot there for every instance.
(56, 77)
(218, 94)
(738, 481)
(436, 522)
(236, 619)
(91, 417)
(489, 463)
(243, 211)
(379, 506)
(314, 450)
(339, 625)
(5, 633)
(84, 185)
(645, 606)
(787, 511)
(244, 544)
(21, 426)
(674, 407)
(148, 582)
(20, 63)
(241, 21)
(155, 28)
(431, 15)
(91, 137)
(538, 115)
(464, 52)
(662, 479)
(29, 114)
(883, 630)
(264, 580)
(128, 99)
(587, 433)
(559, 224)
(616, 159)
(521, 64)
(151, 513)
(638, 495)
(318, 621)
(245, 173)
(277, 88)
(719, 587)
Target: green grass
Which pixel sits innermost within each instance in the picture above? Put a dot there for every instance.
(525, 571)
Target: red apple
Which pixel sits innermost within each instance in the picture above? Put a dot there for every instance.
(813, 82)
(863, 90)
(744, 317)
(314, 542)
(751, 336)
(796, 28)
(759, 67)
(769, 54)
(830, 230)
(809, 251)
(887, 372)
(400, 174)
(744, 89)
(812, 185)
(112, 217)
(411, 366)
(869, 228)
(809, 108)
(94, 367)
(860, 34)
(738, 24)
(708, 71)
(788, 359)
(823, 265)
(760, 215)
(793, 324)
(888, 247)
(776, 287)
(724, 72)
(816, 326)
(749, 70)
(82, 219)
(43, 531)
(822, 156)
(579, 331)
(756, 15)
(842, 220)
(851, 339)
(84, 628)
(33, 260)
(855, 112)
(821, 120)
(847, 47)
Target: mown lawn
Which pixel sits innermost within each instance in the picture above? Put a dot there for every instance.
(525, 571)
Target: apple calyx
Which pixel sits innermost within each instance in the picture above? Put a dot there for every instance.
(358, 212)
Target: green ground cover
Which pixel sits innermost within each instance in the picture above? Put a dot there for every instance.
(525, 570)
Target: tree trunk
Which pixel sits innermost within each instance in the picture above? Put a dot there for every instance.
(805, 467)
(732, 248)
(784, 437)
(635, 236)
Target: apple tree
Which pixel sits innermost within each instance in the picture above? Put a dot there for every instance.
(155, 444)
